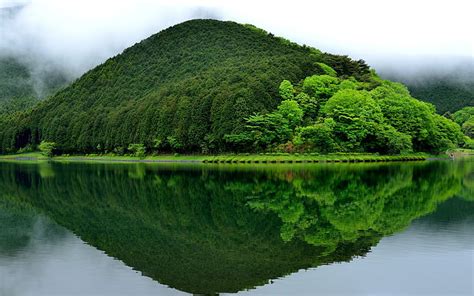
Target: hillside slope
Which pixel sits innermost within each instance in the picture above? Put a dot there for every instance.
(449, 88)
(185, 87)
(445, 94)
(16, 89)
(19, 90)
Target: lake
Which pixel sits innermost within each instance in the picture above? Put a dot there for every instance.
(156, 229)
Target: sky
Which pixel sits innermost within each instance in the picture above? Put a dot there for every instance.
(76, 35)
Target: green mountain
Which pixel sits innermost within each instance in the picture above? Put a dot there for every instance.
(449, 90)
(445, 94)
(16, 89)
(213, 86)
(190, 84)
(20, 89)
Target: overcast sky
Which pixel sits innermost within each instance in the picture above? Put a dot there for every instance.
(76, 35)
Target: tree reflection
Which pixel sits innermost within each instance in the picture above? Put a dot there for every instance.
(208, 230)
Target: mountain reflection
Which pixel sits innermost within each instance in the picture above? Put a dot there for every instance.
(209, 229)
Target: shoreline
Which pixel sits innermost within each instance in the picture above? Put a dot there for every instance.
(268, 158)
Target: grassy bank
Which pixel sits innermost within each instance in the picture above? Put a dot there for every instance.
(310, 158)
(225, 158)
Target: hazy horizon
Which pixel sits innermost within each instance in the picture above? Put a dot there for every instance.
(405, 37)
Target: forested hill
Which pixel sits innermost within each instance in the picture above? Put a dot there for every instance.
(20, 89)
(185, 88)
(449, 89)
(445, 94)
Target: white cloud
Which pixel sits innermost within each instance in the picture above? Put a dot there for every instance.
(75, 35)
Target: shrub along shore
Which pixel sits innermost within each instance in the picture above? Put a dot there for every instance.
(263, 158)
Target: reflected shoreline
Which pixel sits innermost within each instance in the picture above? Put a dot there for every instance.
(214, 230)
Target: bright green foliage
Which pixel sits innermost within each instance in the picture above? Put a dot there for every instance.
(266, 130)
(47, 148)
(465, 118)
(291, 111)
(468, 142)
(309, 105)
(348, 84)
(446, 135)
(286, 90)
(138, 150)
(468, 127)
(327, 70)
(357, 116)
(262, 131)
(405, 113)
(388, 140)
(318, 137)
(463, 115)
(321, 87)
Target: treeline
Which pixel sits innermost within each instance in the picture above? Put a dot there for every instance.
(182, 89)
(326, 113)
(447, 95)
(465, 119)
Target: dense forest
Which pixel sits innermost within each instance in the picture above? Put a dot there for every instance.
(446, 95)
(324, 113)
(449, 89)
(210, 86)
(20, 90)
(465, 118)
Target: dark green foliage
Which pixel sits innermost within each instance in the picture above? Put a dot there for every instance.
(449, 90)
(138, 150)
(19, 90)
(16, 88)
(15, 83)
(446, 95)
(318, 137)
(194, 82)
(345, 67)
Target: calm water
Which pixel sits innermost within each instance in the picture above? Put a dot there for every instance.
(137, 229)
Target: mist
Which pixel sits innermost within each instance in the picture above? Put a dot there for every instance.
(409, 37)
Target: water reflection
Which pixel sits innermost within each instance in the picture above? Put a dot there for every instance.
(205, 230)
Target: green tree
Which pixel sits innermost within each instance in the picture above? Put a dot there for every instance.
(327, 70)
(174, 143)
(47, 148)
(291, 111)
(463, 115)
(309, 105)
(318, 137)
(138, 150)
(356, 114)
(286, 90)
(468, 127)
(321, 87)
(388, 140)
(446, 135)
